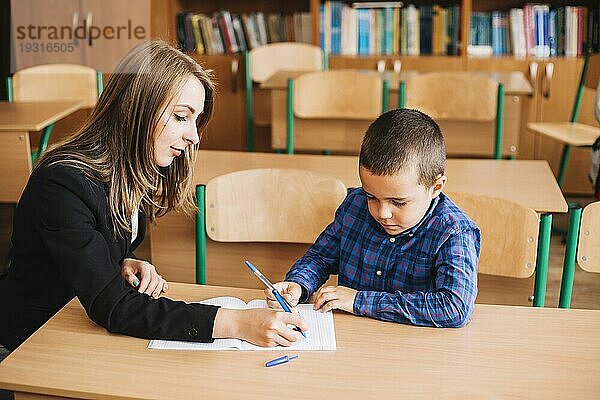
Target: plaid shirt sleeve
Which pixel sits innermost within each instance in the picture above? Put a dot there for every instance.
(321, 260)
(449, 305)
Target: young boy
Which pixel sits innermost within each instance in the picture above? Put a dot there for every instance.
(403, 251)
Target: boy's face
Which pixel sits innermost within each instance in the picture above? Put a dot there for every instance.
(398, 201)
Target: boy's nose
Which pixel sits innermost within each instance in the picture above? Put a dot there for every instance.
(385, 212)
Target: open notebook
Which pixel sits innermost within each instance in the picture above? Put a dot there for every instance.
(321, 335)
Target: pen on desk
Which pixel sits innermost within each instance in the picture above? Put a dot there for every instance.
(282, 302)
(279, 360)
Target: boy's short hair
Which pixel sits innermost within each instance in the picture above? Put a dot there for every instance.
(404, 139)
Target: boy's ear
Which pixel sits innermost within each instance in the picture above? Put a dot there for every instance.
(438, 186)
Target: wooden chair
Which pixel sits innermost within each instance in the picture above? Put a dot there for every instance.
(573, 133)
(52, 82)
(264, 61)
(334, 95)
(457, 96)
(263, 205)
(583, 247)
(509, 239)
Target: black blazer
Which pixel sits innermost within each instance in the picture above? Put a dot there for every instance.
(64, 246)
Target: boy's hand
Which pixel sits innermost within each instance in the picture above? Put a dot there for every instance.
(143, 276)
(290, 291)
(335, 298)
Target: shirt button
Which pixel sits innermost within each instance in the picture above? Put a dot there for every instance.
(379, 273)
(193, 332)
(392, 240)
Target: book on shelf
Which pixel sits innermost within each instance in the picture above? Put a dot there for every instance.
(536, 30)
(225, 32)
(388, 28)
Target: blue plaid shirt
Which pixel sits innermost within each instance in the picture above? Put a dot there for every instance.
(426, 275)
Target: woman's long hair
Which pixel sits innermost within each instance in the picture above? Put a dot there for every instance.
(116, 143)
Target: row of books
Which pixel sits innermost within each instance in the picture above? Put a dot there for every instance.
(363, 30)
(535, 30)
(227, 33)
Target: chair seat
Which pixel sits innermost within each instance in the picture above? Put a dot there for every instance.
(572, 133)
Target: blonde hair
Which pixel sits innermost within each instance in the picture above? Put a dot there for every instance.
(116, 143)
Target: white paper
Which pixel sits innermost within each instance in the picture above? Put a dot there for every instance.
(320, 336)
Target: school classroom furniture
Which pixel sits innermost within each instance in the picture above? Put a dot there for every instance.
(583, 247)
(527, 182)
(573, 133)
(346, 135)
(262, 62)
(504, 352)
(336, 97)
(280, 206)
(451, 97)
(54, 82)
(16, 121)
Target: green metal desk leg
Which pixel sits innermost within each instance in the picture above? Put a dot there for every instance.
(566, 285)
(290, 117)
(541, 270)
(402, 95)
(385, 97)
(249, 106)
(499, 123)
(564, 160)
(200, 236)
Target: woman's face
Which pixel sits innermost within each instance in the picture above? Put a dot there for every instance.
(176, 129)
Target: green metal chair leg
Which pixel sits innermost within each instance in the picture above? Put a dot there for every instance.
(99, 82)
(44, 139)
(325, 60)
(499, 123)
(9, 89)
(566, 285)
(249, 105)
(200, 235)
(402, 95)
(290, 117)
(541, 270)
(385, 97)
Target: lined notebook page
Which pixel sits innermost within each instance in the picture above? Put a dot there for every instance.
(321, 335)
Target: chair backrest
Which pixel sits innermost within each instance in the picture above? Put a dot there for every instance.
(271, 205)
(588, 249)
(56, 82)
(509, 234)
(268, 59)
(457, 96)
(339, 94)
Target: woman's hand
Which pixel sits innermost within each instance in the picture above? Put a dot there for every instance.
(261, 326)
(143, 276)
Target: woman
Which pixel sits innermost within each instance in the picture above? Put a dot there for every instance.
(84, 209)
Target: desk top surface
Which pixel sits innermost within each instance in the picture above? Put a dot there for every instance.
(34, 116)
(504, 352)
(527, 182)
(515, 82)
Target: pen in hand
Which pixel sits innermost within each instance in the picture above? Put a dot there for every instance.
(284, 304)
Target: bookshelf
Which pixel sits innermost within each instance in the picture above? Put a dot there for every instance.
(551, 101)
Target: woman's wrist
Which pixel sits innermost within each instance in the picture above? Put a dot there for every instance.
(226, 323)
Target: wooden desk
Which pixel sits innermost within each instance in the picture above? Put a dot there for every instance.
(472, 138)
(528, 182)
(16, 121)
(504, 352)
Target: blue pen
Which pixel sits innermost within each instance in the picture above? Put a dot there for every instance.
(284, 304)
(279, 360)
